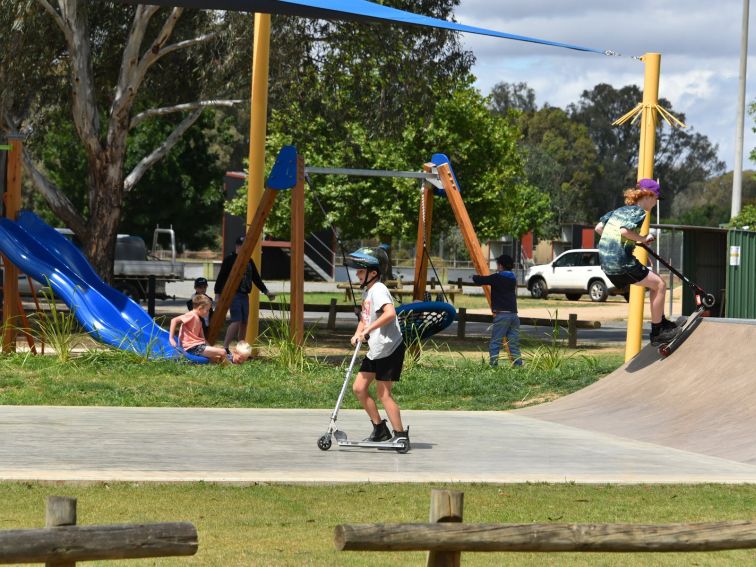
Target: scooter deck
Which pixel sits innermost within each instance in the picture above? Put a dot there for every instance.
(665, 349)
(401, 445)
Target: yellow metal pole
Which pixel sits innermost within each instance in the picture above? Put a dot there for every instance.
(652, 64)
(257, 130)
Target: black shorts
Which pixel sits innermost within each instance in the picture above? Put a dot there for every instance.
(632, 276)
(197, 349)
(387, 369)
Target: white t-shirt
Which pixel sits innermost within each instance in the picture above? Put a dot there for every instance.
(385, 340)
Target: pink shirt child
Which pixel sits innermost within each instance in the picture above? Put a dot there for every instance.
(191, 334)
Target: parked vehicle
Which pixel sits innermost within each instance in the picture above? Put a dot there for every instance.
(573, 273)
(134, 265)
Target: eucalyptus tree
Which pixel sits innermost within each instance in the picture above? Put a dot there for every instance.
(113, 67)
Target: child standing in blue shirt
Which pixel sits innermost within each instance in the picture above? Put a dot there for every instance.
(506, 323)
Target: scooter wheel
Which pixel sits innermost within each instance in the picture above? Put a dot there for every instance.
(664, 351)
(403, 447)
(324, 443)
(708, 301)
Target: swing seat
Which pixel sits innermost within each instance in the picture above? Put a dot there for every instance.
(423, 319)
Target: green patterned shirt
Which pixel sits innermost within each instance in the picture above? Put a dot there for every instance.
(615, 252)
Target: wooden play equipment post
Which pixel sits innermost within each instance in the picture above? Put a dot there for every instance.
(256, 175)
(423, 237)
(283, 177)
(12, 203)
(296, 302)
(465, 225)
(240, 266)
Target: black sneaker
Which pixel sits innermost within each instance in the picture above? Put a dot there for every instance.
(398, 435)
(380, 433)
(667, 324)
(661, 335)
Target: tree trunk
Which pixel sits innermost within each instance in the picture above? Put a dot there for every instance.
(106, 202)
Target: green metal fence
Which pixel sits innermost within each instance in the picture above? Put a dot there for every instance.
(741, 274)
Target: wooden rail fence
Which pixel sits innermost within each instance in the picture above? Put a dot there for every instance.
(446, 538)
(62, 543)
(463, 317)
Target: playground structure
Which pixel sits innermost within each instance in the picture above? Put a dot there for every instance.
(289, 172)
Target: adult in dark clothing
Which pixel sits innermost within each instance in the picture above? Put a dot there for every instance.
(506, 323)
(240, 303)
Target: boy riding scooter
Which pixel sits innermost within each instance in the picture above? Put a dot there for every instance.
(385, 357)
(379, 327)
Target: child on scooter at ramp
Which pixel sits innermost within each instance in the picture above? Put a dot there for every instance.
(378, 326)
(619, 235)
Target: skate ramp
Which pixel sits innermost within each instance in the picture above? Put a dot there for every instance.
(701, 399)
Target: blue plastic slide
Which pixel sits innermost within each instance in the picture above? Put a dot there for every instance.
(105, 313)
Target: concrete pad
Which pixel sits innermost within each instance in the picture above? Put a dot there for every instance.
(266, 445)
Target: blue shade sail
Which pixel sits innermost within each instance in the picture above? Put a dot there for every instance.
(355, 11)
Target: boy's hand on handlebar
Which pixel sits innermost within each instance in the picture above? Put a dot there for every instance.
(648, 239)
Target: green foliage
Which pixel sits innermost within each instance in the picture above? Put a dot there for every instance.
(552, 355)
(437, 381)
(55, 328)
(186, 191)
(287, 354)
(746, 219)
(683, 156)
(562, 162)
(482, 150)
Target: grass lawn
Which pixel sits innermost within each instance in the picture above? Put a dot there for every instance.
(292, 525)
(452, 376)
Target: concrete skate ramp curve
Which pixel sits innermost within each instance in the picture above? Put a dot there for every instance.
(701, 399)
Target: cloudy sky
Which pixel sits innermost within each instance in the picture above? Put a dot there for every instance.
(699, 42)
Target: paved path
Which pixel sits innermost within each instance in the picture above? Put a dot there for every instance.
(688, 418)
(238, 445)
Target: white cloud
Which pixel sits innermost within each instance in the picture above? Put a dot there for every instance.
(699, 42)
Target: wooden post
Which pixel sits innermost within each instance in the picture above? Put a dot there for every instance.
(594, 538)
(296, 302)
(423, 236)
(465, 225)
(446, 506)
(60, 511)
(240, 266)
(461, 320)
(12, 203)
(332, 315)
(572, 330)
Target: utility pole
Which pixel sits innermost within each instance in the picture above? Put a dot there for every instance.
(737, 172)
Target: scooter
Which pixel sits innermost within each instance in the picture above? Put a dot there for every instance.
(400, 445)
(704, 301)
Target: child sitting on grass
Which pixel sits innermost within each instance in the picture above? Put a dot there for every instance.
(191, 337)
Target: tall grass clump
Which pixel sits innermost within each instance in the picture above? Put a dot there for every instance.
(552, 355)
(282, 345)
(57, 328)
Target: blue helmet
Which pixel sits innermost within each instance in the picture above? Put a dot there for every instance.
(369, 258)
